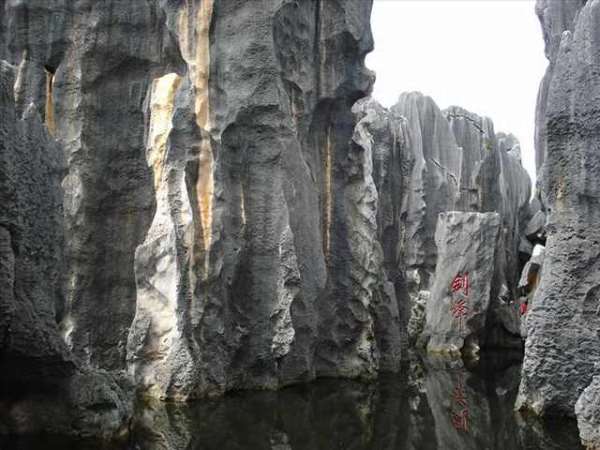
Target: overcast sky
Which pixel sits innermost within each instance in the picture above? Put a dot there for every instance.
(484, 55)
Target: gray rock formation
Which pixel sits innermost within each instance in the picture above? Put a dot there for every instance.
(529, 282)
(510, 144)
(86, 66)
(189, 212)
(383, 136)
(260, 267)
(563, 343)
(220, 208)
(434, 183)
(588, 415)
(419, 142)
(456, 313)
(33, 356)
(87, 404)
(493, 180)
(31, 237)
(556, 17)
(459, 163)
(534, 231)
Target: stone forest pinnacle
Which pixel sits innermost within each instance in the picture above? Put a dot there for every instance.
(187, 211)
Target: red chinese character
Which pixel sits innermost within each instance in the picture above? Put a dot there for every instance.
(460, 421)
(461, 282)
(458, 395)
(459, 308)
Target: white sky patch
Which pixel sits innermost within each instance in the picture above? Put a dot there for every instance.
(484, 55)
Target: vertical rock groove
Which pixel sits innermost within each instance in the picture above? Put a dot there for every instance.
(327, 192)
(49, 110)
(205, 184)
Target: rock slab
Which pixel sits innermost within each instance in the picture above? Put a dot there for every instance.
(457, 311)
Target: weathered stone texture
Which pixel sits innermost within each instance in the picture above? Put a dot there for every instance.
(587, 410)
(493, 180)
(455, 161)
(261, 264)
(220, 210)
(31, 237)
(434, 182)
(563, 342)
(87, 66)
(34, 359)
(556, 16)
(232, 217)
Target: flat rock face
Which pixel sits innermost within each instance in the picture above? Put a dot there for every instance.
(563, 343)
(457, 311)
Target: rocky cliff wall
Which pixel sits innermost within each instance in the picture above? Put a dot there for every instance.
(563, 343)
(32, 237)
(450, 161)
(220, 222)
(44, 387)
(260, 266)
(219, 212)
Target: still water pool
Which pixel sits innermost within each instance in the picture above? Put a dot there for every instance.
(436, 405)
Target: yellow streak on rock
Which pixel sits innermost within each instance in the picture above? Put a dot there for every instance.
(202, 69)
(196, 52)
(205, 190)
(328, 202)
(50, 120)
(162, 101)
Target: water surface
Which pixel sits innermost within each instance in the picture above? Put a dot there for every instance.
(437, 405)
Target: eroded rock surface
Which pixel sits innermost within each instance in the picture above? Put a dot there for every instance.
(31, 237)
(220, 208)
(44, 388)
(587, 410)
(434, 182)
(261, 267)
(528, 284)
(563, 343)
(453, 161)
(232, 217)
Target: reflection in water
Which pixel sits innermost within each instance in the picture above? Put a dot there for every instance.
(440, 405)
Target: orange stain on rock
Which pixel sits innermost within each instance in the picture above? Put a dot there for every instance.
(195, 45)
